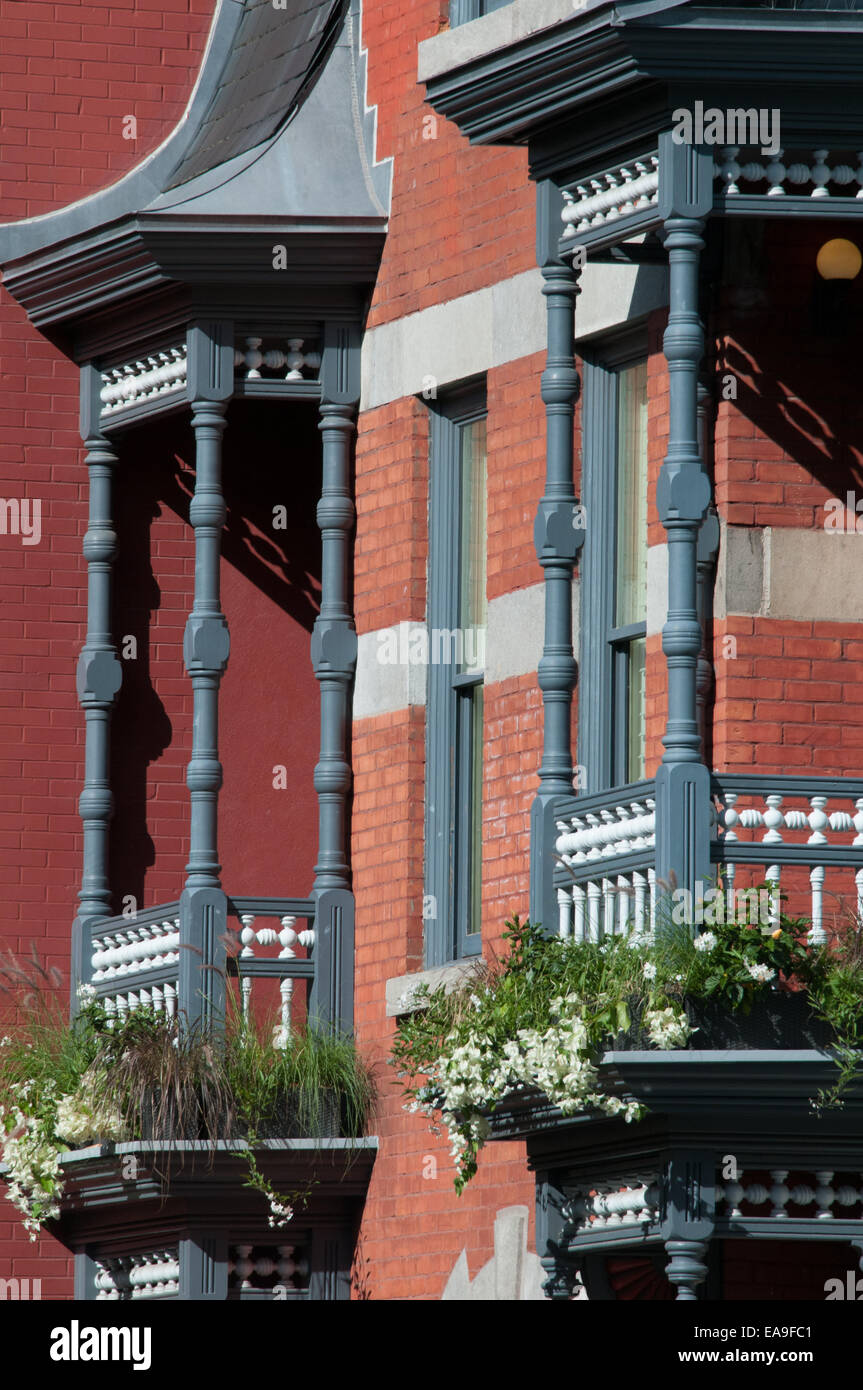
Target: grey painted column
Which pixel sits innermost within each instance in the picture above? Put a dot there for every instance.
(707, 551)
(99, 673)
(203, 915)
(334, 658)
(557, 541)
(683, 495)
(688, 1219)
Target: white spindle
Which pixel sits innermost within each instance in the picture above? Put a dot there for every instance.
(579, 902)
(594, 901)
(564, 913)
(816, 936)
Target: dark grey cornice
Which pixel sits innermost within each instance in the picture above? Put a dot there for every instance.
(602, 63)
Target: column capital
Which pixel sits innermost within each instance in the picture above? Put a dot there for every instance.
(210, 361)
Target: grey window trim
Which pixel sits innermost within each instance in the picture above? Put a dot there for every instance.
(602, 731)
(463, 11)
(447, 810)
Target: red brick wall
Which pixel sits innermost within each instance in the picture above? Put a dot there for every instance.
(71, 74)
(788, 693)
(462, 217)
(67, 81)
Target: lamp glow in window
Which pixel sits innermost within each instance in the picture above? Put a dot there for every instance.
(839, 259)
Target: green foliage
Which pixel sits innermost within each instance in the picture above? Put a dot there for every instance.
(541, 1018)
(146, 1076)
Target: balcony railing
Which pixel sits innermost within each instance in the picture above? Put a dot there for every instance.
(790, 827)
(135, 962)
(606, 884)
(804, 835)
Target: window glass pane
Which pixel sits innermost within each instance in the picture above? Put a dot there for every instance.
(472, 548)
(635, 706)
(630, 587)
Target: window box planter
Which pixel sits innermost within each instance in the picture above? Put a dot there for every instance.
(776, 1020)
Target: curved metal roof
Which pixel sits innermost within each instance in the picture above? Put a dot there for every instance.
(261, 65)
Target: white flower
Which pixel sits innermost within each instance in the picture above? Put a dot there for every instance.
(707, 941)
(649, 970)
(762, 973)
(6, 1041)
(85, 993)
(86, 1116)
(667, 1029)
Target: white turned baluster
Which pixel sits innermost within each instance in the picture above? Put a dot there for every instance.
(253, 358)
(564, 913)
(639, 884)
(734, 1195)
(286, 990)
(651, 879)
(773, 819)
(730, 816)
(728, 168)
(623, 905)
(247, 938)
(824, 1195)
(579, 901)
(858, 879)
(779, 1193)
(775, 172)
(170, 1000)
(607, 907)
(594, 901)
(820, 174)
(817, 820)
(816, 936)
(772, 876)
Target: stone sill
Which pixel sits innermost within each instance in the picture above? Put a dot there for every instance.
(479, 38)
(399, 990)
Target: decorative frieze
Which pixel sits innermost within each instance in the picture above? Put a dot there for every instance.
(278, 1268)
(820, 1193)
(608, 1205)
(148, 1276)
(117, 954)
(609, 831)
(621, 906)
(823, 843)
(148, 378)
(795, 173)
(251, 938)
(159, 998)
(608, 904)
(291, 359)
(618, 192)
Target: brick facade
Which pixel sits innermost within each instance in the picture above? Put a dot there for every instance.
(462, 220)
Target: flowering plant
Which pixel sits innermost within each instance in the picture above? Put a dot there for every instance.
(541, 1018)
(67, 1083)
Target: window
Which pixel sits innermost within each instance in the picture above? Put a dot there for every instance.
(614, 585)
(457, 623)
(462, 11)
